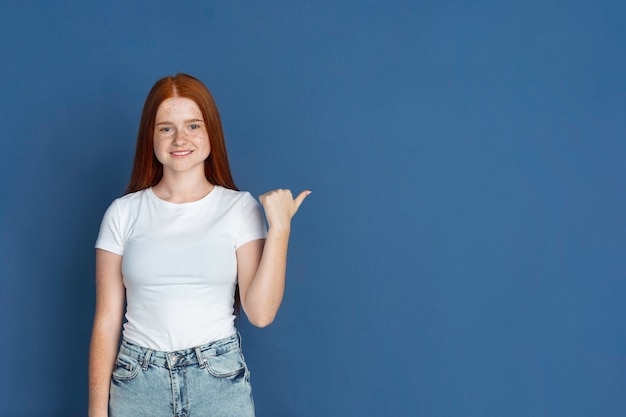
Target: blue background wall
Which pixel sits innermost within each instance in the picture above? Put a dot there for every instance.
(462, 253)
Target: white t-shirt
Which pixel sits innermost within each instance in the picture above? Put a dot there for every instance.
(179, 263)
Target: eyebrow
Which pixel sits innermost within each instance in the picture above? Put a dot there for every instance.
(186, 121)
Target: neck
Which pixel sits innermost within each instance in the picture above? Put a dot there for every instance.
(182, 190)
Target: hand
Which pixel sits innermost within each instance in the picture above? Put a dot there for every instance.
(280, 206)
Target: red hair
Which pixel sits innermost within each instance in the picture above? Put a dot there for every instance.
(147, 170)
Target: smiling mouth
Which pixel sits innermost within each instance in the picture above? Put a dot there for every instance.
(180, 153)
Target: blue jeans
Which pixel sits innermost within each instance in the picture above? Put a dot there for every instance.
(210, 380)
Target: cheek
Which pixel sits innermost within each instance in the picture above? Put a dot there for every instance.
(204, 144)
(158, 150)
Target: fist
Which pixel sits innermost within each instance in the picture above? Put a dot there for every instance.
(280, 206)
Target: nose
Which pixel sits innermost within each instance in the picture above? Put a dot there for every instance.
(180, 137)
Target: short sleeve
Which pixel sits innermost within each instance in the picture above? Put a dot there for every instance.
(110, 237)
(253, 222)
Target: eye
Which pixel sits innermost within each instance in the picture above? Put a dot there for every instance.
(192, 127)
(165, 129)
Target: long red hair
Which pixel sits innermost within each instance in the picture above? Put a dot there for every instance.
(147, 170)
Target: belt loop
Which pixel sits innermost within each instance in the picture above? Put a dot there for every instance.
(201, 360)
(146, 359)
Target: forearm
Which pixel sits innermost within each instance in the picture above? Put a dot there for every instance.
(265, 292)
(102, 354)
(261, 268)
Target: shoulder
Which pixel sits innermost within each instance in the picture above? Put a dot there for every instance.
(233, 196)
(131, 199)
(122, 206)
(240, 204)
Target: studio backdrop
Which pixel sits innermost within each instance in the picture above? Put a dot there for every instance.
(462, 252)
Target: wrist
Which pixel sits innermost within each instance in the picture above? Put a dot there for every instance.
(279, 229)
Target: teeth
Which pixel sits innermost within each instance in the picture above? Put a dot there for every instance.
(181, 153)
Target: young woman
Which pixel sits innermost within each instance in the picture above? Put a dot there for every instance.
(179, 253)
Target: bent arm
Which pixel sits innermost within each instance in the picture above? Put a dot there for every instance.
(261, 264)
(107, 326)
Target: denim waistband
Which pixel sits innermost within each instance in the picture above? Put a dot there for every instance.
(185, 357)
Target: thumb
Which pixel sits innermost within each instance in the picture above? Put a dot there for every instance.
(300, 198)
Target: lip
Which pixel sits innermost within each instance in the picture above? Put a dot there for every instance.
(180, 154)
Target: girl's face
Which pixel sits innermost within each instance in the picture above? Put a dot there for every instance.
(181, 140)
